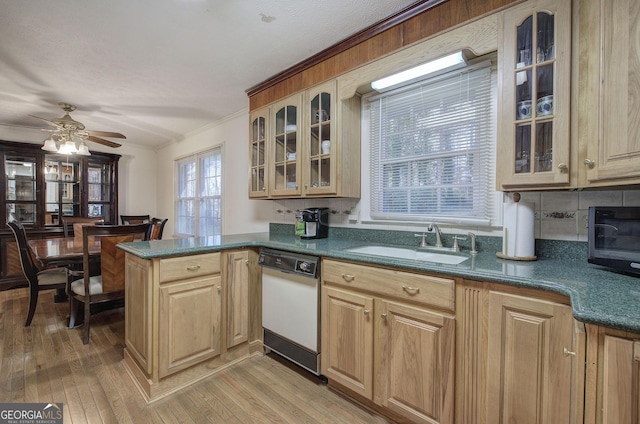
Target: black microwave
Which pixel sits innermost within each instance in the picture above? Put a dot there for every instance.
(614, 237)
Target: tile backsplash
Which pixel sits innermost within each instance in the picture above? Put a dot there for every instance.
(559, 215)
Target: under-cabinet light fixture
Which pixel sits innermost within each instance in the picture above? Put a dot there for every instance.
(419, 71)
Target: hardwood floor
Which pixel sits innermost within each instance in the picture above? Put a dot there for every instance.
(48, 363)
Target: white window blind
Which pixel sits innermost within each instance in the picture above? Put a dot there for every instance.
(431, 150)
(198, 194)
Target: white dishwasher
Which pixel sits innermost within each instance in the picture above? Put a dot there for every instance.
(291, 306)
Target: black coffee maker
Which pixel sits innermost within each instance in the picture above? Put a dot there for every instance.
(312, 223)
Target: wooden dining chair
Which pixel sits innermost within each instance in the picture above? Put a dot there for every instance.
(156, 228)
(68, 222)
(38, 277)
(106, 289)
(134, 219)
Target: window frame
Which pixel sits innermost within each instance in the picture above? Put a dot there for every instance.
(198, 197)
(494, 196)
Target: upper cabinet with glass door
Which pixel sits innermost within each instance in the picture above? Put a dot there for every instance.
(534, 73)
(319, 167)
(284, 162)
(258, 134)
(331, 166)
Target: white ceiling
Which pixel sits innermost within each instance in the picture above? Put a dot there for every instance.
(155, 70)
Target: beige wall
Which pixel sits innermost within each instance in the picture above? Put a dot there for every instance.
(239, 214)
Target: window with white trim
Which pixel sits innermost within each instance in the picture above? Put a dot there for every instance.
(199, 194)
(431, 149)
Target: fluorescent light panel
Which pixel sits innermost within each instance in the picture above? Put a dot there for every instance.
(421, 70)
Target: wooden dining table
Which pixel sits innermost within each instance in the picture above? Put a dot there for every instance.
(61, 251)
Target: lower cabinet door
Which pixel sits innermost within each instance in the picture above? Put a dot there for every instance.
(237, 298)
(529, 371)
(189, 323)
(619, 394)
(347, 340)
(415, 362)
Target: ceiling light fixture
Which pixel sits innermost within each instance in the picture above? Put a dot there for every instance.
(436, 65)
(66, 145)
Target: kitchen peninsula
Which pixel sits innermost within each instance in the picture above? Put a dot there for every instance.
(223, 291)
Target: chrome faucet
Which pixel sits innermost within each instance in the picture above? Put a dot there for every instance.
(434, 227)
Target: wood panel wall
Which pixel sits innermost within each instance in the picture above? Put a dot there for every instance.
(420, 21)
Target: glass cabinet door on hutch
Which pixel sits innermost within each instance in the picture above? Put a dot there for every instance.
(100, 191)
(62, 189)
(285, 151)
(20, 187)
(534, 142)
(319, 156)
(259, 132)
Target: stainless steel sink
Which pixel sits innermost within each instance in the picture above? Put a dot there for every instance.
(418, 255)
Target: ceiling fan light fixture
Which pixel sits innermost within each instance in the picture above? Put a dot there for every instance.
(68, 148)
(50, 145)
(83, 149)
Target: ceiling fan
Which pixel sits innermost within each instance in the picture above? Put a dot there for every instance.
(67, 130)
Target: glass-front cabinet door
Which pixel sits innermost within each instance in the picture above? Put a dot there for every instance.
(285, 149)
(62, 189)
(258, 136)
(320, 142)
(100, 191)
(534, 143)
(20, 188)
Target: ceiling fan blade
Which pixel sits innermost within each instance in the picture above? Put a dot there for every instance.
(46, 120)
(27, 127)
(106, 134)
(103, 141)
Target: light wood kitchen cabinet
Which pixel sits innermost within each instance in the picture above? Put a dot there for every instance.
(520, 356)
(258, 153)
(285, 148)
(609, 118)
(189, 327)
(613, 377)
(237, 276)
(529, 373)
(332, 143)
(312, 142)
(188, 316)
(416, 362)
(347, 339)
(534, 71)
(387, 336)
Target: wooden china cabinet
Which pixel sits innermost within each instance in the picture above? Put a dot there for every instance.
(38, 188)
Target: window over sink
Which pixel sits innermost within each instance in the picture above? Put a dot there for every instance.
(429, 149)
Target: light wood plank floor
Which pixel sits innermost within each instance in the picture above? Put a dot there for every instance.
(48, 363)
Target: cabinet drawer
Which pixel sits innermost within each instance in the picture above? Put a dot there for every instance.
(189, 266)
(426, 289)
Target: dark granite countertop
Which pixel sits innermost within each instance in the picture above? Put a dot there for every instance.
(598, 295)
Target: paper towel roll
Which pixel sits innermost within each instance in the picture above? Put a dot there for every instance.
(518, 241)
